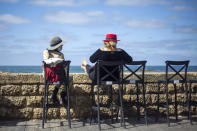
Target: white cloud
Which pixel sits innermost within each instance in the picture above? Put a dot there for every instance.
(95, 13)
(164, 48)
(63, 2)
(13, 19)
(181, 8)
(175, 17)
(63, 17)
(145, 24)
(134, 2)
(54, 2)
(3, 27)
(68, 18)
(9, 1)
(6, 37)
(186, 29)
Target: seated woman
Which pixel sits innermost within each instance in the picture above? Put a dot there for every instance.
(53, 56)
(108, 53)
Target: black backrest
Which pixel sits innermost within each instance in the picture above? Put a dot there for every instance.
(183, 67)
(66, 66)
(109, 71)
(139, 67)
(63, 73)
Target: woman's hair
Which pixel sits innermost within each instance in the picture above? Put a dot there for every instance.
(107, 45)
(112, 44)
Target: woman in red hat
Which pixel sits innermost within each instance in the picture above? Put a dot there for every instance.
(108, 53)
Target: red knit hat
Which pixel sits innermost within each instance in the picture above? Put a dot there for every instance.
(111, 37)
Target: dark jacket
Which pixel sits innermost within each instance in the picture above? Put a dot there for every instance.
(119, 55)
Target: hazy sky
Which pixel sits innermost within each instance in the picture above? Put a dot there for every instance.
(152, 30)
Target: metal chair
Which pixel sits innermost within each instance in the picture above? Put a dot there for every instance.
(133, 68)
(190, 101)
(183, 66)
(65, 81)
(111, 74)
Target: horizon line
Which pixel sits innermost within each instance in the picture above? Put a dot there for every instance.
(78, 65)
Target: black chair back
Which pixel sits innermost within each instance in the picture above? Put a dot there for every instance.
(183, 67)
(109, 72)
(63, 73)
(140, 68)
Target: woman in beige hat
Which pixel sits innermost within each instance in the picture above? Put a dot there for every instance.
(54, 50)
(53, 56)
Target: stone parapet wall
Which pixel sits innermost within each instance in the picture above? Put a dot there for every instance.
(21, 96)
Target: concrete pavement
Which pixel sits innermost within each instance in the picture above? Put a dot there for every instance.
(131, 125)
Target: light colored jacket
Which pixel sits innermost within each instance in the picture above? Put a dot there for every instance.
(52, 54)
(52, 57)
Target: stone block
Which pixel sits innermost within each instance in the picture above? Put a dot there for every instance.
(133, 98)
(27, 113)
(50, 89)
(129, 89)
(182, 110)
(162, 98)
(37, 113)
(148, 99)
(63, 113)
(131, 111)
(104, 90)
(80, 78)
(154, 77)
(34, 101)
(129, 98)
(153, 99)
(82, 101)
(115, 88)
(53, 113)
(105, 111)
(103, 99)
(17, 78)
(81, 89)
(126, 98)
(13, 101)
(193, 110)
(181, 98)
(81, 112)
(194, 97)
(152, 88)
(13, 113)
(5, 112)
(29, 90)
(11, 90)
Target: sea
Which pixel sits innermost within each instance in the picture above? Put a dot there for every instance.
(77, 69)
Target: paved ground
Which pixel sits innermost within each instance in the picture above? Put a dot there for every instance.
(131, 125)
